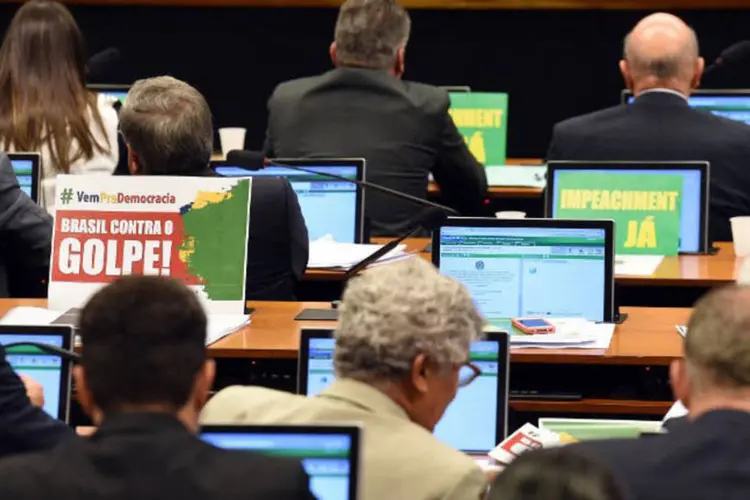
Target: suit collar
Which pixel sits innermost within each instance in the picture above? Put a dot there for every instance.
(139, 423)
(365, 396)
(660, 97)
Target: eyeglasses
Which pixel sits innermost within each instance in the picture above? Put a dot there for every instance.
(467, 373)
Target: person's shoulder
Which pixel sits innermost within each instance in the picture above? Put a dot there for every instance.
(586, 121)
(241, 404)
(622, 453)
(428, 97)
(291, 89)
(723, 127)
(19, 474)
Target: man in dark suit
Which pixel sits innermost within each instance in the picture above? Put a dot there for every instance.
(25, 238)
(143, 380)
(661, 66)
(167, 127)
(709, 455)
(363, 109)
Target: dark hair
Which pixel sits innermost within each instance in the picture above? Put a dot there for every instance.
(43, 98)
(144, 343)
(555, 474)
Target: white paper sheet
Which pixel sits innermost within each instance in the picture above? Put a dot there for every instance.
(29, 316)
(571, 333)
(221, 325)
(328, 254)
(517, 176)
(637, 265)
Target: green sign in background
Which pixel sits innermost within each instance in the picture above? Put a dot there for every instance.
(646, 209)
(482, 118)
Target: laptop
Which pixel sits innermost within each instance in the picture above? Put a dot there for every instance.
(113, 93)
(474, 422)
(27, 167)
(329, 206)
(330, 454)
(531, 267)
(49, 370)
(695, 181)
(732, 104)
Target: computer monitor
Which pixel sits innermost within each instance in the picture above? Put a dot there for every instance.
(26, 167)
(114, 93)
(330, 454)
(695, 182)
(49, 370)
(329, 206)
(531, 267)
(732, 104)
(476, 420)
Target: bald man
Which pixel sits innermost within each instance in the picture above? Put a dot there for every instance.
(661, 66)
(707, 457)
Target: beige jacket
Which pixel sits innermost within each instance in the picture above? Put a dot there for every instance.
(400, 460)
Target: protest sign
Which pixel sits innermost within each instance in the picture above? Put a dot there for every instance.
(481, 118)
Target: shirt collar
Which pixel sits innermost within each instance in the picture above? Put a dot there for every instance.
(662, 91)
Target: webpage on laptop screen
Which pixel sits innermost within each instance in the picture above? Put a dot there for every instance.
(515, 272)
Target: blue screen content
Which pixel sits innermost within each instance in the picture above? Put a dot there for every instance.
(46, 369)
(734, 107)
(690, 215)
(328, 206)
(514, 272)
(325, 457)
(24, 173)
(114, 96)
(476, 403)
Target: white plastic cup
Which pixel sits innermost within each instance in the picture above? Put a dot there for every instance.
(741, 235)
(232, 138)
(510, 214)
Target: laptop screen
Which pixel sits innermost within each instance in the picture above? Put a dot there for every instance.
(692, 215)
(330, 207)
(46, 369)
(732, 105)
(24, 170)
(482, 403)
(328, 457)
(528, 271)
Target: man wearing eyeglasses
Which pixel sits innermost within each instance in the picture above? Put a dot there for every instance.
(402, 351)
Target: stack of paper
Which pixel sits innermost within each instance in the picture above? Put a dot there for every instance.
(517, 176)
(637, 265)
(570, 333)
(328, 254)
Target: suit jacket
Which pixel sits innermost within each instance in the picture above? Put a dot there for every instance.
(23, 426)
(401, 460)
(705, 459)
(277, 245)
(402, 129)
(149, 456)
(661, 126)
(25, 238)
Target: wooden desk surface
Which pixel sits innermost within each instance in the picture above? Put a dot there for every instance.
(647, 337)
(683, 270)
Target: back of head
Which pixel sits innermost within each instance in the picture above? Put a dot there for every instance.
(369, 33)
(555, 474)
(43, 98)
(394, 312)
(662, 51)
(144, 344)
(167, 124)
(717, 346)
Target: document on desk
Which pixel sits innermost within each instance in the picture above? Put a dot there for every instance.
(29, 316)
(571, 333)
(517, 176)
(637, 265)
(329, 254)
(221, 325)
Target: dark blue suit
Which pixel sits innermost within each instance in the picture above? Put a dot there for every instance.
(23, 426)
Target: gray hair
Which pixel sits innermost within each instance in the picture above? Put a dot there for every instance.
(370, 32)
(168, 125)
(717, 346)
(394, 312)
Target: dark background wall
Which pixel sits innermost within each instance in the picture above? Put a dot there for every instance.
(554, 64)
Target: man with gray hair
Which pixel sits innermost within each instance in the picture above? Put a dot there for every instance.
(661, 66)
(708, 456)
(403, 336)
(168, 130)
(363, 108)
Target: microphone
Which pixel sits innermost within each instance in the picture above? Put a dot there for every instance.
(735, 55)
(252, 160)
(430, 219)
(101, 63)
(49, 349)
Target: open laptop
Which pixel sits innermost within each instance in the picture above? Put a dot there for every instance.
(531, 267)
(732, 104)
(49, 370)
(27, 166)
(695, 194)
(474, 422)
(114, 93)
(329, 206)
(330, 454)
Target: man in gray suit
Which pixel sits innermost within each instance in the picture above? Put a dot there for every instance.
(402, 339)
(362, 108)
